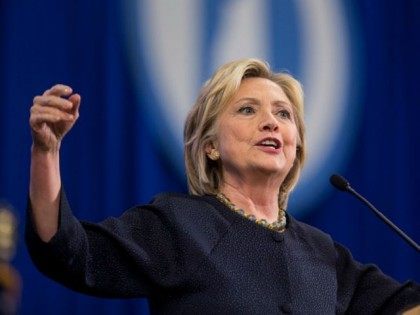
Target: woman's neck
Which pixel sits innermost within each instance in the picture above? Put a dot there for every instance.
(259, 198)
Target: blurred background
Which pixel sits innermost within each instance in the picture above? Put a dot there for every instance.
(138, 66)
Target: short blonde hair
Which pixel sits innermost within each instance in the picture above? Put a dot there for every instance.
(204, 175)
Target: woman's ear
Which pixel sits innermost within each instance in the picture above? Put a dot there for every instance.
(212, 152)
(208, 147)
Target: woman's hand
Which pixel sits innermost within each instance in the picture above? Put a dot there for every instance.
(53, 114)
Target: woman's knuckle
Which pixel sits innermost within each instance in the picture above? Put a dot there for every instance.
(35, 99)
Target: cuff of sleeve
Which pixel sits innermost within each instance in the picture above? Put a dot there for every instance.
(62, 246)
(408, 296)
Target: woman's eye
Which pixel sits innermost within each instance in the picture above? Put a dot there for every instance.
(284, 113)
(246, 110)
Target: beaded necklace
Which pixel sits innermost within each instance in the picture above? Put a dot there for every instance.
(278, 226)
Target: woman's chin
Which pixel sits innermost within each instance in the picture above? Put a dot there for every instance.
(270, 169)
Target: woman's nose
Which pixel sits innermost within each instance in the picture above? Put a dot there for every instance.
(268, 122)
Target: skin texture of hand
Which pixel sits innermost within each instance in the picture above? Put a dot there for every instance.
(53, 114)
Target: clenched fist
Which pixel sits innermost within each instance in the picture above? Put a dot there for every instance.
(53, 114)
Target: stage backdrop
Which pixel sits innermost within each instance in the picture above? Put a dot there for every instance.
(138, 66)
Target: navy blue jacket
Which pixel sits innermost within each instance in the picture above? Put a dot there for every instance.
(190, 254)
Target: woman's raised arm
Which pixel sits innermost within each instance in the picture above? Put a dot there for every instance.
(53, 114)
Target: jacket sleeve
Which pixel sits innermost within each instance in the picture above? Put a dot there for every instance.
(130, 256)
(364, 289)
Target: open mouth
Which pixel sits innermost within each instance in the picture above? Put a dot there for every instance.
(270, 142)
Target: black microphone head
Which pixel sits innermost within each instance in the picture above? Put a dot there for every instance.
(339, 182)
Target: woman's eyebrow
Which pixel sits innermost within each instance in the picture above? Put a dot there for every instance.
(249, 99)
(255, 101)
(282, 104)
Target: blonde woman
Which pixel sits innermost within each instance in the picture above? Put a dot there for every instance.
(229, 247)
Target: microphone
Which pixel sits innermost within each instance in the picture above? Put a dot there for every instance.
(342, 184)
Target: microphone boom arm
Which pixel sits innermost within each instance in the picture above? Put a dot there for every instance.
(384, 218)
(342, 184)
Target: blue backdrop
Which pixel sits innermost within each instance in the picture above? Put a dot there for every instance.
(111, 159)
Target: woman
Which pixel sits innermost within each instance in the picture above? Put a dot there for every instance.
(229, 246)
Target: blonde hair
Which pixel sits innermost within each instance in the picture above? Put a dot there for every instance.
(204, 175)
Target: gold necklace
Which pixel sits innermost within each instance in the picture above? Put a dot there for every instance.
(278, 226)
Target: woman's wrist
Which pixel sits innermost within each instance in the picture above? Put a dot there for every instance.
(37, 149)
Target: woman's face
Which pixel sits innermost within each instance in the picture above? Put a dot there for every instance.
(256, 131)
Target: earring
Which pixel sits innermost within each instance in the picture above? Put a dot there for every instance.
(214, 155)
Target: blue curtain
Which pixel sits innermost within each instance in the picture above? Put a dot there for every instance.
(111, 160)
